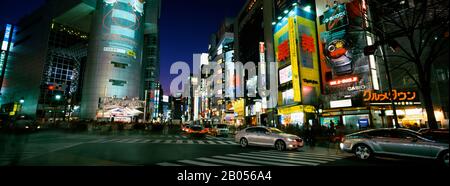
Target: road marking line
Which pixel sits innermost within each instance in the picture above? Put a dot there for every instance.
(145, 141)
(324, 155)
(200, 142)
(298, 155)
(197, 163)
(211, 142)
(133, 141)
(98, 141)
(226, 162)
(276, 160)
(167, 164)
(253, 161)
(108, 141)
(123, 140)
(231, 142)
(284, 157)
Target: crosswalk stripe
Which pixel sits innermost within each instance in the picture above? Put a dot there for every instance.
(145, 141)
(221, 142)
(168, 141)
(98, 141)
(277, 160)
(226, 162)
(253, 161)
(299, 155)
(211, 142)
(167, 164)
(197, 163)
(231, 142)
(190, 142)
(123, 140)
(316, 154)
(177, 136)
(179, 141)
(109, 141)
(133, 141)
(324, 155)
(283, 157)
(184, 137)
(210, 138)
(200, 142)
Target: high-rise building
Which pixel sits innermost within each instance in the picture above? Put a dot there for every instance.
(295, 39)
(221, 52)
(96, 46)
(252, 32)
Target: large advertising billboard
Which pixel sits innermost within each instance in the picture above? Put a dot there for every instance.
(345, 70)
(296, 51)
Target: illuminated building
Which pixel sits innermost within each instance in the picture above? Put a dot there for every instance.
(83, 50)
(253, 26)
(295, 43)
(221, 51)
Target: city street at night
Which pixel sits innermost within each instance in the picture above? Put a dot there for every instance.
(225, 91)
(138, 148)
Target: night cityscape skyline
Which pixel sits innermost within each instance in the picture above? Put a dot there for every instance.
(256, 84)
(186, 40)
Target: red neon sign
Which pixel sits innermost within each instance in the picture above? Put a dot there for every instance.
(308, 43)
(283, 51)
(343, 81)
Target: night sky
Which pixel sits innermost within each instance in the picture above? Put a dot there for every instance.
(185, 26)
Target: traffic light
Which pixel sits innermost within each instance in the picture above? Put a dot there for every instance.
(51, 87)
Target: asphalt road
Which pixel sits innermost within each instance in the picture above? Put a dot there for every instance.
(164, 148)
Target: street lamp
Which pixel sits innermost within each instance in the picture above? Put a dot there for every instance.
(22, 100)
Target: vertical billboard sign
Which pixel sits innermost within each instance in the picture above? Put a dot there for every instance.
(309, 60)
(344, 68)
(296, 49)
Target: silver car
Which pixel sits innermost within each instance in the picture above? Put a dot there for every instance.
(399, 142)
(269, 137)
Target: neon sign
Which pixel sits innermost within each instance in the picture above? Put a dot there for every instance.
(283, 51)
(343, 81)
(385, 96)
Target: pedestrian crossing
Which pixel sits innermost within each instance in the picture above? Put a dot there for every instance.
(163, 141)
(262, 158)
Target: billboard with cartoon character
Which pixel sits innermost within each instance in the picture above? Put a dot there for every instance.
(345, 71)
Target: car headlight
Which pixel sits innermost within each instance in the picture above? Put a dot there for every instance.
(26, 127)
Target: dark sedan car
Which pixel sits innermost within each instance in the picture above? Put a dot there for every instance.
(24, 123)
